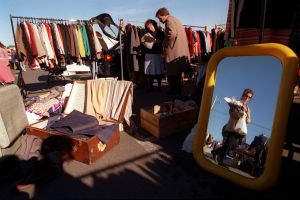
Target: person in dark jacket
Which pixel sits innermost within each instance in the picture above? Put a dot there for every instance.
(154, 62)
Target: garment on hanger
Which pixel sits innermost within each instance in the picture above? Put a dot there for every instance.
(53, 43)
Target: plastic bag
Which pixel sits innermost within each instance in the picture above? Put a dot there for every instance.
(237, 120)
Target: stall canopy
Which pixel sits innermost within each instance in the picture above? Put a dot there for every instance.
(278, 14)
(257, 21)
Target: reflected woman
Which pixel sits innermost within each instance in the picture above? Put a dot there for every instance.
(234, 132)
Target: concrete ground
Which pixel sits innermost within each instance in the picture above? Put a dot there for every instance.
(144, 167)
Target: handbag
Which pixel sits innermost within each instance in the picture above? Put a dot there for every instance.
(237, 125)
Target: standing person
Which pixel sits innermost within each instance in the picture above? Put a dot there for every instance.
(233, 134)
(175, 49)
(154, 63)
(13, 59)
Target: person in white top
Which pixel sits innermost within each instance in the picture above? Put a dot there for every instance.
(234, 132)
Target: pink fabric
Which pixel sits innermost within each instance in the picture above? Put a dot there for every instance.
(6, 75)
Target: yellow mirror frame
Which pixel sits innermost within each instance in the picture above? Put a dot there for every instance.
(289, 62)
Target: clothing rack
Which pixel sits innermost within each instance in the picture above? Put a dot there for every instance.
(141, 23)
(220, 26)
(193, 26)
(21, 82)
(135, 21)
(39, 19)
(47, 19)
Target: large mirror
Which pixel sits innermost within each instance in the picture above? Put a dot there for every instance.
(244, 111)
(107, 25)
(241, 117)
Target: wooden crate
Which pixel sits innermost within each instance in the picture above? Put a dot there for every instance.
(84, 148)
(164, 126)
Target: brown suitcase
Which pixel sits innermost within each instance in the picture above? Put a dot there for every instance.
(85, 149)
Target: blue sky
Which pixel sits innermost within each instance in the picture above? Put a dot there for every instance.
(191, 12)
(260, 73)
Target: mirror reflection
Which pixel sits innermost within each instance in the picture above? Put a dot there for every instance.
(242, 113)
(105, 41)
(107, 24)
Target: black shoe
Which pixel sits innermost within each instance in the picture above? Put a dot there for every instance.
(222, 164)
(173, 92)
(170, 93)
(214, 155)
(149, 89)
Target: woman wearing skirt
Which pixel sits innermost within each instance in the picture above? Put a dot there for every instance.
(154, 62)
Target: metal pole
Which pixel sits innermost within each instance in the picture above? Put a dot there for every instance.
(121, 50)
(13, 31)
(94, 67)
(213, 104)
(262, 20)
(20, 82)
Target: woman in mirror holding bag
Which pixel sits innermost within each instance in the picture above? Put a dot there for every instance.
(235, 130)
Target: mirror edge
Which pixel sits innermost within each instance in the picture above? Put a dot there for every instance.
(289, 62)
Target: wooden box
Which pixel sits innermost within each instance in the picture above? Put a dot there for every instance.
(162, 126)
(86, 149)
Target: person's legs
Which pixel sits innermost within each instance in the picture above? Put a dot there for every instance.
(159, 77)
(171, 84)
(150, 83)
(229, 144)
(216, 152)
(177, 82)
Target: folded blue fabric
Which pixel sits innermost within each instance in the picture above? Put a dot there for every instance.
(77, 123)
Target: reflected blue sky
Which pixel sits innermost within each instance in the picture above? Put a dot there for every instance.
(260, 73)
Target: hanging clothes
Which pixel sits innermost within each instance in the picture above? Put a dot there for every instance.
(20, 45)
(75, 33)
(66, 41)
(56, 44)
(197, 44)
(115, 96)
(80, 42)
(135, 48)
(91, 42)
(217, 35)
(85, 41)
(189, 34)
(72, 41)
(27, 44)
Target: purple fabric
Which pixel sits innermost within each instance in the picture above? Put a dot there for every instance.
(77, 123)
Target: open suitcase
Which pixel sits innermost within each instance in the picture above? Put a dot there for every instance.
(85, 149)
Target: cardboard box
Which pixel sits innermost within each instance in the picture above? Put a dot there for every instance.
(163, 126)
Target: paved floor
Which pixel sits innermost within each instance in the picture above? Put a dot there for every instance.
(143, 167)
